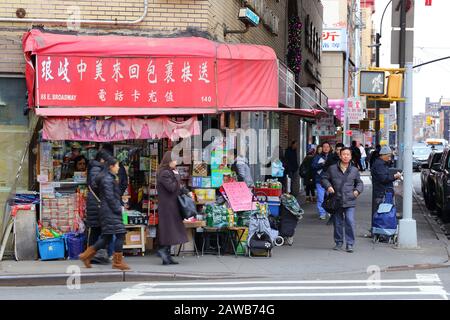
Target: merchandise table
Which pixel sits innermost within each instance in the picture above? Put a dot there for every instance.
(191, 230)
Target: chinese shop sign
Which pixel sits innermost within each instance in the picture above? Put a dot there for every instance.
(125, 82)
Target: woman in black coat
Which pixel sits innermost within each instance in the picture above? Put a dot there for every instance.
(93, 201)
(110, 216)
(171, 230)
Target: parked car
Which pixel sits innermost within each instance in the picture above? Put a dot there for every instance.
(420, 157)
(428, 178)
(441, 196)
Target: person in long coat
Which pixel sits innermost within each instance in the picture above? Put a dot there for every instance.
(93, 202)
(171, 230)
(111, 222)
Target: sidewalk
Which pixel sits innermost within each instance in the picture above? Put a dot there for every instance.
(310, 257)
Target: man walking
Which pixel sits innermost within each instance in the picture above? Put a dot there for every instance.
(362, 150)
(382, 178)
(344, 180)
(356, 155)
(318, 166)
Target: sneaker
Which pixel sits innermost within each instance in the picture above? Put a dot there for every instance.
(337, 247)
(349, 249)
(323, 217)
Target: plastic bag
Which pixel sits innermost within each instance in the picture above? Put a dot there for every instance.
(277, 168)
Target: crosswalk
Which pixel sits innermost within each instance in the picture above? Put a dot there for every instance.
(423, 286)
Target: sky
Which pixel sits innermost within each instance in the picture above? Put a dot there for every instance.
(431, 41)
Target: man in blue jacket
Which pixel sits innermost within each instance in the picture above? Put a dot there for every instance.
(318, 166)
(382, 178)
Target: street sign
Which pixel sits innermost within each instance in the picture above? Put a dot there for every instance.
(380, 104)
(372, 83)
(395, 44)
(355, 111)
(396, 10)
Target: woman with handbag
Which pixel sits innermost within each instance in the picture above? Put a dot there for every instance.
(111, 222)
(171, 230)
(93, 202)
(344, 185)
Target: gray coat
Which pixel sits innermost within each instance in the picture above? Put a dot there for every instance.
(334, 177)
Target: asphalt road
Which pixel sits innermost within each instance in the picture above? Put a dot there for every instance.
(419, 284)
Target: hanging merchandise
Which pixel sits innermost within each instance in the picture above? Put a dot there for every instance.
(277, 169)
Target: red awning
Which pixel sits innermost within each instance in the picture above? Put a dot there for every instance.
(243, 76)
(120, 112)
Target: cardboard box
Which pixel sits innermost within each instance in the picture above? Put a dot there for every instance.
(133, 238)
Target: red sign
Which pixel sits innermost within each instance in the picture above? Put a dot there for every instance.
(349, 133)
(239, 196)
(125, 82)
(428, 2)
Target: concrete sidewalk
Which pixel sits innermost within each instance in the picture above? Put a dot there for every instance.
(310, 257)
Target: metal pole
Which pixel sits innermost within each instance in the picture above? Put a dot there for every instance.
(377, 110)
(346, 139)
(401, 105)
(407, 237)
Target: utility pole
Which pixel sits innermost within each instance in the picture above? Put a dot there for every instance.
(407, 235)
(346, 139)
(377, 110)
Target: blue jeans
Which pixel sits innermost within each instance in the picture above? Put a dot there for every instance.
(344, 220)
(320, 198)
(363, 163)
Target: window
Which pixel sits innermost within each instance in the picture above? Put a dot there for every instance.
(12, 101)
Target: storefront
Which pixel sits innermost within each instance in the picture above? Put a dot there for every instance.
(144, 96)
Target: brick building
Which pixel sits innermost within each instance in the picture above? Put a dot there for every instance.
(147, 18)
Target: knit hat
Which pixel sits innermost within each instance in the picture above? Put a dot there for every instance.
(385, 150)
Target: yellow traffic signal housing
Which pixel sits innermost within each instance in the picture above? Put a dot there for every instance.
(428, 120)
(395, 86)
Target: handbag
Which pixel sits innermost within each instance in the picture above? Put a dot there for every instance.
(188, 208)
(332, 203)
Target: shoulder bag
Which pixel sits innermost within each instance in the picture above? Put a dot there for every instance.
(332, 203)
(95, 196)
(187, 206)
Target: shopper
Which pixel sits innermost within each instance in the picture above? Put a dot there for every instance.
(171, 229)
(318, 166)
(334, 156)
(110, 217)
(362, 150)
(292, 166)
(374, 155)
(307, 173)
(356, 155)
(93, 203)
(382, 178)
(368, 150)
(344, 180)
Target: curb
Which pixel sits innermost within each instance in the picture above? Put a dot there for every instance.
(57, 279)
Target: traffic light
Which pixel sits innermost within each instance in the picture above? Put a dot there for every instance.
(395, 86)
(428, 120)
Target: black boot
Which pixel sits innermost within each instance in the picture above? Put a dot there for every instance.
(170, 256)
(162, 253)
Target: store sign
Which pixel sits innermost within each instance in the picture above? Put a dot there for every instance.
(334, 40)
(125, 82)
(270, 20)
(325, 126)
(248, 16)
(355, 111)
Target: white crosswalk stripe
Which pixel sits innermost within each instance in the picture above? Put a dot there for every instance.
(424, 286)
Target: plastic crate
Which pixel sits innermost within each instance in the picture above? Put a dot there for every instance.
(274, 208)
(52, 249)
(75, 244)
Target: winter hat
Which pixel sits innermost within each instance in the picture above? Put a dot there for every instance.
(385, 150)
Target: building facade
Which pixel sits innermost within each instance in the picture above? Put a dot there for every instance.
(147, 18)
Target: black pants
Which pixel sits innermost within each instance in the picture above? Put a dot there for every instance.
(310, 190)
(106, 239)
(94, 234)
